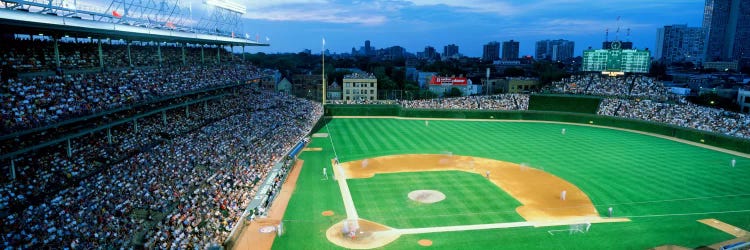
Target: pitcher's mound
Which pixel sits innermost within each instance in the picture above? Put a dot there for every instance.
(424, 242)
(426, 196)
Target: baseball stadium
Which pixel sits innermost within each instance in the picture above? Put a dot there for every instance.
(131, 124)
(542, 179)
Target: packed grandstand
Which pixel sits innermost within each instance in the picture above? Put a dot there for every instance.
(182, 178)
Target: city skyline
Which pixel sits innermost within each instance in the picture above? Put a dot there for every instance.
(296, 25)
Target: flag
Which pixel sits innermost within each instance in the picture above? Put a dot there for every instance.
(232, 34)
(247, 36)
(116, 14)
(170, 25)
(268, 39)
(324, 41)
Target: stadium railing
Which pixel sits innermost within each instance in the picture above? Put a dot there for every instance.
(261, 198)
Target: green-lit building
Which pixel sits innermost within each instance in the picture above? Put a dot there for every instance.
(616, 61)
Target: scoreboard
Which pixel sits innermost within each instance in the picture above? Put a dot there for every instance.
(616, 61)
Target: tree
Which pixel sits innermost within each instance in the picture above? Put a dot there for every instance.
(715, 101)
(454, 92)
(426, 94)
(658, 70)
(514, 72)
(549, 72)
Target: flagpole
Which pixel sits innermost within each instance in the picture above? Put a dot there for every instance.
(323, 76)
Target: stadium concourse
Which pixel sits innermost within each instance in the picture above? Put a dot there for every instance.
(177, 179)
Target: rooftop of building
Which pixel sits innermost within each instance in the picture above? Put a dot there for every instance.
(360, 76)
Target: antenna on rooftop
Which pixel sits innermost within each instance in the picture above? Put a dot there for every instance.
(606, 35)
(628, 35)
(617, 33)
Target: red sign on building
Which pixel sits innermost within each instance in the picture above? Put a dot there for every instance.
(437, 80)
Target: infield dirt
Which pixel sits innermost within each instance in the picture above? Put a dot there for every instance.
(537, 190)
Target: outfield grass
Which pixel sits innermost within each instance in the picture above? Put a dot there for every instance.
(662, 185)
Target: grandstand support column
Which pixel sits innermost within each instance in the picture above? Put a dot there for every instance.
(109, 135)
(158, 52)
(184, 57)
(12, 169)
(164, 117)
(70, 150)
(243, 54)
(187, 110)
(135, 125)
(218, 54)
(203, 56)
(101, 54)
(205, 106)
(323, 74)
(130, 59)
(57, 52)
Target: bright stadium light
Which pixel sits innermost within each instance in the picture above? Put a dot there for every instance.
(227, 5)
(613, 73)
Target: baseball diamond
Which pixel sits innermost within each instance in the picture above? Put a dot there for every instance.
(658, 189)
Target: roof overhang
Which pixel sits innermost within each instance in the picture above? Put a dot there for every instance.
(31, 23)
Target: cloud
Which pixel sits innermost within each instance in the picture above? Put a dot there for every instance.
(477, 6)
(570, 26)
(320, 15)
(254, 4)
(326, 11)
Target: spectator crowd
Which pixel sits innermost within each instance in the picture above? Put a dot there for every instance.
(43, 100)
(642, 87)
(38, 54)
(493, 102)
(683, 114)
(635, 97)
(199, 180)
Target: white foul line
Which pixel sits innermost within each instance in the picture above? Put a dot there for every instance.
(351, 211)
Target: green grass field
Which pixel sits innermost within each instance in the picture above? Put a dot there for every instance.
(383, 199)
(663, 186)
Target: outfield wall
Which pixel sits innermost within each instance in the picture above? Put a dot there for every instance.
(693, 135)
(565, 103)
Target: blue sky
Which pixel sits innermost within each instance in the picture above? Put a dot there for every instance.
(294, 25)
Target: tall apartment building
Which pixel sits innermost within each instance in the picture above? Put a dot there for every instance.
(430, 53)
(680, 43)
(510, 50)
(491, 51)
(450, 50)
(555, 50)
(727, 27)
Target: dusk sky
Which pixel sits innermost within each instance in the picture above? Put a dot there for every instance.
(295, 25)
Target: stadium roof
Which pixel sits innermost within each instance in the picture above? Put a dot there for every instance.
(16, 21)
